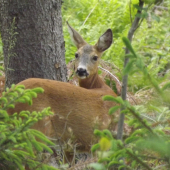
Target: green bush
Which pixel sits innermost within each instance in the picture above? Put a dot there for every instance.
(18, 143)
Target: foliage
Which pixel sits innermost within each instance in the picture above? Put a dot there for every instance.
(145, 144)
(18, 143)
(151, 40)
(93, 18)
(148, 67)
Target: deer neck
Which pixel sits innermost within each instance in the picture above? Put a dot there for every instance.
(92, 82)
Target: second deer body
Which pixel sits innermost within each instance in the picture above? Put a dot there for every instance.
(77, 110)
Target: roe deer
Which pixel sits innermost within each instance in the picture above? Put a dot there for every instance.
(77, 110)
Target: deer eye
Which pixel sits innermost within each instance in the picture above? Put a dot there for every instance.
(95, 58)
(76, 55)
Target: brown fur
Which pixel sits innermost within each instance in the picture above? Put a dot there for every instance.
(81, 109)
(77, 110)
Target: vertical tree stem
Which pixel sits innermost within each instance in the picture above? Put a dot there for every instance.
(125, 77)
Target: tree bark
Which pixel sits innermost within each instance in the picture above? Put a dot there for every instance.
(31, 32)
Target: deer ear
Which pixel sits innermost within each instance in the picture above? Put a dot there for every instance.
(104, 41)
(76, 37)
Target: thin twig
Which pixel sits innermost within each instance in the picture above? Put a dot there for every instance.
(74, 154)
(111, 75)
(88, 16)
(130, 11)
(65, 125)
(146, 116)
(110, 64)
(138, 160)
(141, 120)
(107, 71)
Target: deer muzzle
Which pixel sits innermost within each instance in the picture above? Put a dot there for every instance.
(82, 73)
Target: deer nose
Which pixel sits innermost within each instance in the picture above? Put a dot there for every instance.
(82, 72)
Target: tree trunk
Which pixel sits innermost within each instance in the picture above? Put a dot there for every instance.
(31, 32)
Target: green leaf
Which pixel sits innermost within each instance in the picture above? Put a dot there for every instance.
(44, 168)
(11, 106)
(113, 109)
(21, 100)
(27, 99)
(4, 99)
(104, 159)
(30, 102)
(41, 136)
(3, 138)
(1, 68)
(144, 14)
(38, 90)
(19, 87)
(107, 133)
(113, 163)
(20, 166)
(4, 114)
(129, 46)
(114, 146)
(105, 144)
(98, 132)
(13, 86)
(166, 86)
(129, 55)
(49, 167)
(129, 67)
(45, 147)
(95, 147)
(137, 7)
(133, 164)
(109, 98)
(12, 138)
(11, 154)
(156, 18)
(30, 147)
(139, 64)
(114, 99)
(37, 146)
(131, 139)
(23, 114)
(120, 167)
(33, 94)
(97, 166)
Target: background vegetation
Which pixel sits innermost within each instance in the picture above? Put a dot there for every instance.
(92, 18)
(151, 44)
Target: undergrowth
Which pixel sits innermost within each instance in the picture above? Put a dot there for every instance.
(18, 142)
(147, 147)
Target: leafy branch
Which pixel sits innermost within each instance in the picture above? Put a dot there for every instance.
(18, 143)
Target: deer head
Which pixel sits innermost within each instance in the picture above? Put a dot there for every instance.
(87, 56)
